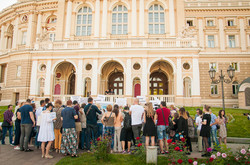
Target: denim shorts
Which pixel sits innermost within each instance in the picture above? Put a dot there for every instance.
(161, 133)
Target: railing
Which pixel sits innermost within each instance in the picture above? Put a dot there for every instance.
(115, 43)
(111, 98)
(64, 98)
(170, 99)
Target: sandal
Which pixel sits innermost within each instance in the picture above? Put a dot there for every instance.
(48, 157)
(74, 156)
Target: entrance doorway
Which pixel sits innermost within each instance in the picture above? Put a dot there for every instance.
(116, 82)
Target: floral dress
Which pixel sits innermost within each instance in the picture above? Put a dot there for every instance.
(222, 130)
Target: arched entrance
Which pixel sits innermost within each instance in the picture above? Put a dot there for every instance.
(65, 78)
(112, 78)
(187, 87)
(161, 80)
(87, 87)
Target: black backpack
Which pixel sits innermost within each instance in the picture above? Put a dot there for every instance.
(127, 121)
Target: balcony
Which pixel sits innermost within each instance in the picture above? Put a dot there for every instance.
(118, 44)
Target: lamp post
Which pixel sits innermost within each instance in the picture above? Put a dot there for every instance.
(230, 72)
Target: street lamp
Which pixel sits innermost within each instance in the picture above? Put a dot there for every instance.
(230, 72)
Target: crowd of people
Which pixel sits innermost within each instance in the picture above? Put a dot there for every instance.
(70, 127)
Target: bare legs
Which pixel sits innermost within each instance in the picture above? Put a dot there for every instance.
(224, 140)
(47, 149)
(152, 141)
(123, 146)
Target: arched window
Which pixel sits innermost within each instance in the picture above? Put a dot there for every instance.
(84, 21)
(156, 19)
(9, 35)
(120, 20)
(235, 87)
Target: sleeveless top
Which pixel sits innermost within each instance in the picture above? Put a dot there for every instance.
(109, 121)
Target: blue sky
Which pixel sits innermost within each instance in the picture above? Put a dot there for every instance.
(6, 3)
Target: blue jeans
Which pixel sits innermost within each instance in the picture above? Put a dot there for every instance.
(110, 131)
(91, 134)
(5, 129)
(161, 133)
(83, 138)
(100, 129)
(213, 138)
(37, 143)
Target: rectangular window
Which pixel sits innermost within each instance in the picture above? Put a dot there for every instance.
(235, 88)
(235, 66)
(213, 64)
(231, 41)
(18, 71)
(79, 18)
(214, 89)
(210, 39)
(0, 96)
(190, 22)
(151, 29)
(2, 72)
(230, 23)
(210, 23)
(78, 30)
(24, 38)
(52, 37)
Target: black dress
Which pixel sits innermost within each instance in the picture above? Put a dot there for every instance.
(205, 129)
(182, 126)
(149, 127)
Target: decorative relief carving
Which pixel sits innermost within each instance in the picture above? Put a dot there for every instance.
(186, 32)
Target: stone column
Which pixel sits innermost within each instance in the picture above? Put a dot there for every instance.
(48, 79)
(179, 83)
(39, 25)
(97, 18)
(141, 23)
(144, 80)
(29, 31)
(60, 20)
(104, 18)
(134, 16)
(196, 78)
(94, 78)
(128, 78)
(201, 33)
(2, 42)
(0, 73)
(68, 20)
(33, 79)
(79, 84)
(242, 34)
(171, 18)
(221, 34)
(15, 36)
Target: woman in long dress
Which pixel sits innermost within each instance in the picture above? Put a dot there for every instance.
(46, 132)
(222, 124)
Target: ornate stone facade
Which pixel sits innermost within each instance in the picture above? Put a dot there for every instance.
(158, 49)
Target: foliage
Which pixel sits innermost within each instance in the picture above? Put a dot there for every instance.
(177, 151)
(140, 150)
(102, 148)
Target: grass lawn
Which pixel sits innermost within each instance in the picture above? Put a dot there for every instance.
(238, 125)
(116, 159)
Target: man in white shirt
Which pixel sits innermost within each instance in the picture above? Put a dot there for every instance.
(136, 116)
(38, 113)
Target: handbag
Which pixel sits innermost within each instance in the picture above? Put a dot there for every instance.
(217, 126)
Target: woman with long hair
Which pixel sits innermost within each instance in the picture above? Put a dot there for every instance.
(149, 129)
(108, 120)
(58, 124)
(222, 124)
(46, 132)
(182, 127)
(206, 128)
(118, 128)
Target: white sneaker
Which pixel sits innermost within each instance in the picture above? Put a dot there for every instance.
(17, 148)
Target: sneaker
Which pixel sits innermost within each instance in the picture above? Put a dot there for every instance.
(12, 144)
(129, 152)
(16, 148)
(88, 151)
(124, 152)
